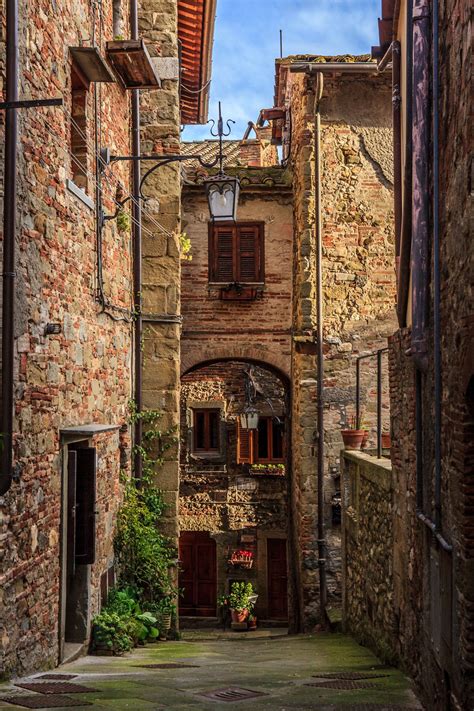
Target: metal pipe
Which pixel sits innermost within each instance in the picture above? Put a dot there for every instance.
(379, 403)
(436, 270)
(344, 67)
(383, 64)
(137, 257)
(320, 354)
(9, 238)
(358, 393)
(405, 237)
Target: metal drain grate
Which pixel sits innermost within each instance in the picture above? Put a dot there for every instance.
(342, 684)
(168, 665)
(382, 707)
(55, 687)
(350, 676)
(57, 677)
(40, 701)
(232, 693)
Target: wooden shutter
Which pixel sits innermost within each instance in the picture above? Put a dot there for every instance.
(71, 511)
(248, 251)
(85, 506)
(244, 445)
(222, 254)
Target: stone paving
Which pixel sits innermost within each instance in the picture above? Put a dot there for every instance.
(276, 665)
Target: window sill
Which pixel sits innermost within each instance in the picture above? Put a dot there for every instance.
(80, 194)
(214, 457)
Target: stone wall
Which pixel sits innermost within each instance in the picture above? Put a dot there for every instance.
(161, 246)
(358, 287)
(81, 375)
(367, 543)
(240, 507)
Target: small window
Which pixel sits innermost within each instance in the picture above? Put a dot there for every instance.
(266, 444)
(206, 425)
(79, 132)
(236, 253)
(117, 18)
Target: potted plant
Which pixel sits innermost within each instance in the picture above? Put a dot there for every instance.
(252, 621)
(165, 609)
(110, 634)
(353, 435)
(240, 600)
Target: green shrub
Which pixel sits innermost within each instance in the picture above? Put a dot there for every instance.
(110, 632)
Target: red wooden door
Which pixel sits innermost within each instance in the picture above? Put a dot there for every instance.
(277, 579)
(197, 575)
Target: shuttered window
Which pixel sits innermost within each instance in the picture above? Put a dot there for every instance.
(263, 445)
(206, 430)
(236, 253)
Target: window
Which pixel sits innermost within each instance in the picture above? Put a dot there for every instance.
(266, 444)
(117, 18)
(79, 151)
(206, 425)
(236, 253)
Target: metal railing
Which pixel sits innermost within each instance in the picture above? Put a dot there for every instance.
(378, 354)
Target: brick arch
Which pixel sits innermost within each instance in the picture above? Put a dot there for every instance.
(255, 354)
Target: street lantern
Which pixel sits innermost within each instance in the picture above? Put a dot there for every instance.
(223, 196)
(249, 418)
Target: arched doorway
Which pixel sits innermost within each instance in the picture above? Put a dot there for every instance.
(234, 485)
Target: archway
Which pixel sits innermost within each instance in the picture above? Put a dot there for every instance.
(234, 482)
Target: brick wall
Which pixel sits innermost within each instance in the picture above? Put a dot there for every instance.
(81, 375)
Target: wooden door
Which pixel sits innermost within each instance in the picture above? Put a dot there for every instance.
(197, 575)
(277, 579)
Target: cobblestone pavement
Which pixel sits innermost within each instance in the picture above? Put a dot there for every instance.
(279, 668)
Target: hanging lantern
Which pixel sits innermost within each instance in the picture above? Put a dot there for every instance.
(223, 196)
(249, 418)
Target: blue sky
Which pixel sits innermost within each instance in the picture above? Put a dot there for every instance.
(246, 42)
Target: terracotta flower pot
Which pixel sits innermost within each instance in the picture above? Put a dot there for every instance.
(386, 440)
(239, 615)
(352, 438)
(365, 440)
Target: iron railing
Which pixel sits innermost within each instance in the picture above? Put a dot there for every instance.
(375, 354)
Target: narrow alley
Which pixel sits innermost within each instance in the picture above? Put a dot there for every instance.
(215, 670)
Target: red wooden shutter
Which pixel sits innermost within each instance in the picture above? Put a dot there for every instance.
(248, 250)
(244, 445)
(222, 258)
(85, 503)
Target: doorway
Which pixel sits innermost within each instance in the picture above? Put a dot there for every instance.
(79, 503)
(197, 576)
(277, 579)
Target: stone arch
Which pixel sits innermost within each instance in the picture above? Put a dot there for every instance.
(254, 354)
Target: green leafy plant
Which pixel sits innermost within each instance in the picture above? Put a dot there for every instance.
(185, 247)
(268, 467)
(240, 596)
(123, 221)
(111, 632)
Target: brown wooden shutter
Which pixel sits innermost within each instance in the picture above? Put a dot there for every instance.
(244, 445)
(71, 511)
(85, 506)
(222, 257)
(249, 253)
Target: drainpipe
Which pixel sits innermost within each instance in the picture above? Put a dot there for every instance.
(9, 237)
(137, 254)
(420, 267)
(319, 345)
(434, 526)
(405, 236)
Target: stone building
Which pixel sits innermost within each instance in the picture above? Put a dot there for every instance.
(74, 302)
(249, 311)
(425, 610)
